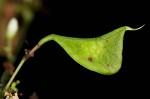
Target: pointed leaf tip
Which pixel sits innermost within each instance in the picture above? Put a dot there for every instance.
(134, 29)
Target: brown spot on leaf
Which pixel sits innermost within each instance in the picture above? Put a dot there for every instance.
(90, 59)
(108, 64)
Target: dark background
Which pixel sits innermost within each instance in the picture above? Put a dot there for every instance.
(52, 73)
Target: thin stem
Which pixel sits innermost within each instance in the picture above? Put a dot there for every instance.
(28, 53)
(15, 73)
(46, 39)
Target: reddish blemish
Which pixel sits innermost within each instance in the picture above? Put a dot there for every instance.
(90, 59)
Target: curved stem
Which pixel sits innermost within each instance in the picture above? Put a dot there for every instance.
(46, 39)
(28, 53)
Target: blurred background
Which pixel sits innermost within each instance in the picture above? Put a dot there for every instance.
(51, 72)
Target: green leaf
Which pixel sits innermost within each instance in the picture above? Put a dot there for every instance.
(101, 54)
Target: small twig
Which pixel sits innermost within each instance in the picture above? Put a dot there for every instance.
(30, 53)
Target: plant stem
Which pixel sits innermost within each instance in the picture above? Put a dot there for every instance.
(15, 73)
(28, 53)
(46, 39)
